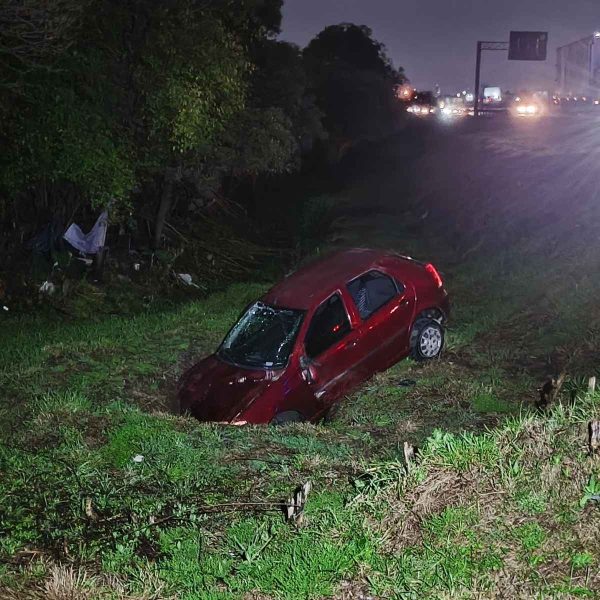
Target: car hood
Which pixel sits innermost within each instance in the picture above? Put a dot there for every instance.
(214, 390)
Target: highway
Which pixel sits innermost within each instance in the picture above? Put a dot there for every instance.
(487, 181)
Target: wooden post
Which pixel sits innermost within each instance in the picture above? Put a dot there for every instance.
(99, 262)
(591, 385)
(409, 456)
(594, 436)
(294, 507)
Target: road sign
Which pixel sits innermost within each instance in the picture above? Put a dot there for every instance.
(528, 45)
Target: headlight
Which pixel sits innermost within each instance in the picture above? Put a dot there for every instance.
(527, 109)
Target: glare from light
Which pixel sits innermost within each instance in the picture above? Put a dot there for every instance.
(527, 109)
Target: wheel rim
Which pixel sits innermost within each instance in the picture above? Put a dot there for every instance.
(430, 343)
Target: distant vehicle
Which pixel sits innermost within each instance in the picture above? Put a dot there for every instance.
(453, 107)
(578, 70)
(423, 104)
(529, 105)
(492, 96)
(318, 334)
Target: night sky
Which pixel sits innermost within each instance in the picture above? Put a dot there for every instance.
(434, 40)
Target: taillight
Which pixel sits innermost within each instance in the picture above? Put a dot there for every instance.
(434, 274)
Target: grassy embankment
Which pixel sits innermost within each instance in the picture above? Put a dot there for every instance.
(497, 506)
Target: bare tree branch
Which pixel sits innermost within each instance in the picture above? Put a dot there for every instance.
(35, 32)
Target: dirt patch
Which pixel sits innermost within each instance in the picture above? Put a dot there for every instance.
(401, 528)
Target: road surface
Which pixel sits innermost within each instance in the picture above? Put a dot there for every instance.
(484, 184)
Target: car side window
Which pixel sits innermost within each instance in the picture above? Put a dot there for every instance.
(329, 324)
(371, 291)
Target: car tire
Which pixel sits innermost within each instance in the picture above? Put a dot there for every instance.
(426, 339)
(287, 417)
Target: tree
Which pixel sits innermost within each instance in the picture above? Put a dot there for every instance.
(34, 33)
(111, 97)
(280, 80)
(354, 80)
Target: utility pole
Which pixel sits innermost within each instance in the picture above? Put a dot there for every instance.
(477, 79)
(481, 46)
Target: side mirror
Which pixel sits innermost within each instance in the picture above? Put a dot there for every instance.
(306, 370)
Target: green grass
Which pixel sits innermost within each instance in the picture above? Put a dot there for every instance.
(499, 503)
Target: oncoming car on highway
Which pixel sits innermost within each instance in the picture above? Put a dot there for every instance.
(317, 335)
(452, 107)
(423, 104)
(527, 106)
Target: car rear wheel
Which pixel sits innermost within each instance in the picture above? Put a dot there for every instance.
(426, 339)
(287, 417)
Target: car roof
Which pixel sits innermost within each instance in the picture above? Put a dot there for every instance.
(315, 282)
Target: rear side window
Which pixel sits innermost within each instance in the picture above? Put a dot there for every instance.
(371, 291)
(329, 325)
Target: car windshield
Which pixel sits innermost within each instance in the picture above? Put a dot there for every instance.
(263, 338)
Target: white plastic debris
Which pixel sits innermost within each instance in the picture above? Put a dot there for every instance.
(4, 307)
(86, 261)
(47, 288)
(136, 266)
(91, 242)
(138, 458)
(187, 279)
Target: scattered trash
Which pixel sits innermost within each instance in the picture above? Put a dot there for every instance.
(91, 242)
(407, 382)
(138, 458)
(4, 307)
(187, 279)
(595, 498)
(47, 288)
(136, 266)
(86, 261)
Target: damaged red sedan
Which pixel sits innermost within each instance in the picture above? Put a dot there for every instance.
(317, 335)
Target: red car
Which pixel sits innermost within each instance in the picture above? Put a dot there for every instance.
(318, 334)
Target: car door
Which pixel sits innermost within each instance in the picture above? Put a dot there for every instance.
(384, 308)
(329, 355)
